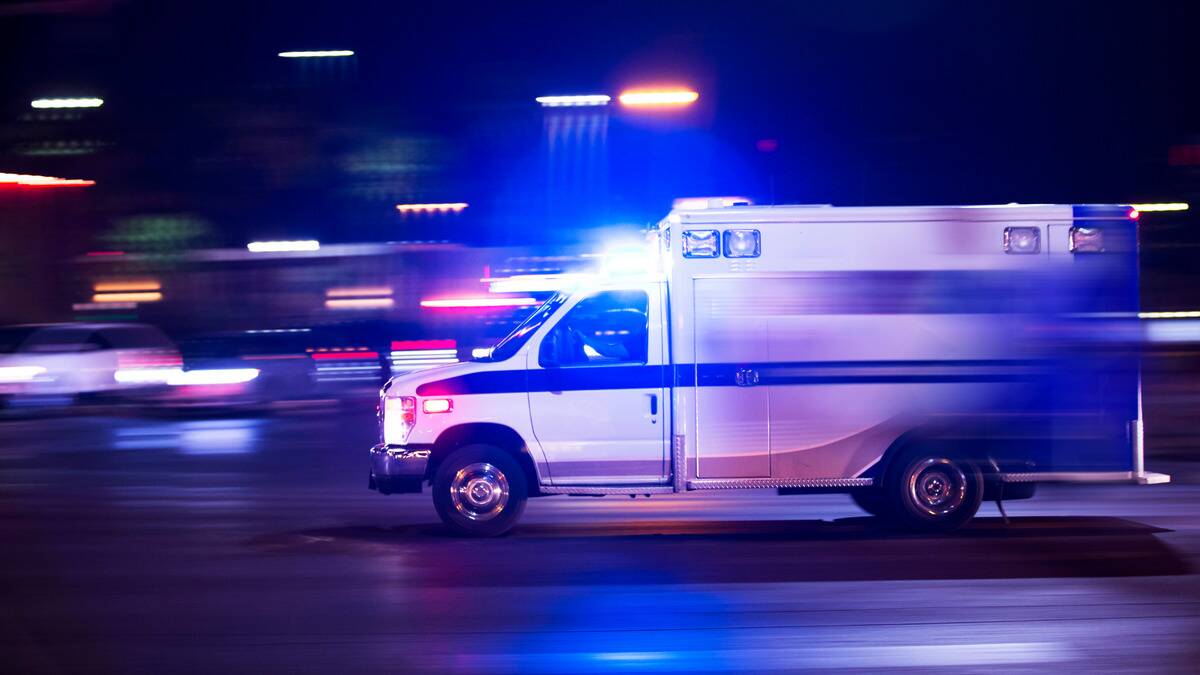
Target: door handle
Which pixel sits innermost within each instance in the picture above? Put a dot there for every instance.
(746, 377)
(653, 404)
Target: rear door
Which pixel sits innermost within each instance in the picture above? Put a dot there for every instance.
(597, 390)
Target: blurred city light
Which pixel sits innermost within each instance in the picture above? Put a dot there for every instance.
(178, 377)
(67, 102)
(533, 283)
(449, 303)
(317, 54)
(359, 303)
(647, 98)
(283, 246)
(12, 374)
(143, 296)
(127, 285)
(357, 291)
(1163, 206)
(701, 203)
(447, 206)
(31, 180)
(573, 101)
(1190, 314)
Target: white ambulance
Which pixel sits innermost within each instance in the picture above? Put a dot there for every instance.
(921, 359)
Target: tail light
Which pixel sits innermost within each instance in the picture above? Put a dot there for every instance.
(1086, 240)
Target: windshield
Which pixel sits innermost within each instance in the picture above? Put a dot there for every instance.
(521, 334)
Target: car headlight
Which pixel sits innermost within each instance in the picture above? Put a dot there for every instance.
(399, 418)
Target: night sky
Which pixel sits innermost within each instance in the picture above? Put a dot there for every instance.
(863, 102)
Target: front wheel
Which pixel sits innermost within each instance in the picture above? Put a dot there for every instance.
(479, 491)
(933, 491)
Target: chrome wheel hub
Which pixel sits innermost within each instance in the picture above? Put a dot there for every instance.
(937, 486)
(479, 491)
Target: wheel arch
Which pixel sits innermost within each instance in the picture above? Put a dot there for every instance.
(955, 440)
(488, 433)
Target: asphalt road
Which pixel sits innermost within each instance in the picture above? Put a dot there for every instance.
(252, 545)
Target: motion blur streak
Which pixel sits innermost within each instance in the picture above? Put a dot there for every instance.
(359, 303)
(30, 180)
(1166, 206)
(447, 206)
(283, 246)
(317, 54)
(572, 101)
(658, 98)
(67, 103)
(130, 285)
(154, 296)
(478, 302)
(354, 292)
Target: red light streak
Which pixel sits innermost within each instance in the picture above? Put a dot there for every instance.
(405, 345)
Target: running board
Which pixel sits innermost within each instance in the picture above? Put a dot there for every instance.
(751, 483)
(605, 489)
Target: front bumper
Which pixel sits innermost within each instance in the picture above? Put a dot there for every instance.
(398, 469)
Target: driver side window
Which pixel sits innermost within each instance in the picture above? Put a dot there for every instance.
(610, 327)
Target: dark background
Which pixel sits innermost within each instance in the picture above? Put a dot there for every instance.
(800, 102)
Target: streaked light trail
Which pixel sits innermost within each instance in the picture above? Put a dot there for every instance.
(573, 101)
(317, 54)
(43, 103)
(447, 303)
(647, 98)
(445, 206)
(283, 246)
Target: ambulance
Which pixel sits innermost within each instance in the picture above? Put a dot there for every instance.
(920, 359)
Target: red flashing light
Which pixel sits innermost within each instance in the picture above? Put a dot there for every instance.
(406, 345)
(30, 180)
(1134, 213)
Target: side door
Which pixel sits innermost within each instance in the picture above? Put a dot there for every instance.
(597, 390)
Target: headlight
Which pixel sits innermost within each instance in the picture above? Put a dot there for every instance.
(399, 418)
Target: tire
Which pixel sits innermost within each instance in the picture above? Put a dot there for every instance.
(932, 491)
(479, 491)
(872, 501)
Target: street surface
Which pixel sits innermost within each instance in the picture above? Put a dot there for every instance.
(251, 544)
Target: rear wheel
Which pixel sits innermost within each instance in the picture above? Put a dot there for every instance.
(479, 491)
(933, 491)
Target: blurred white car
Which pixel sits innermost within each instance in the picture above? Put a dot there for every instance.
(69, 361)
